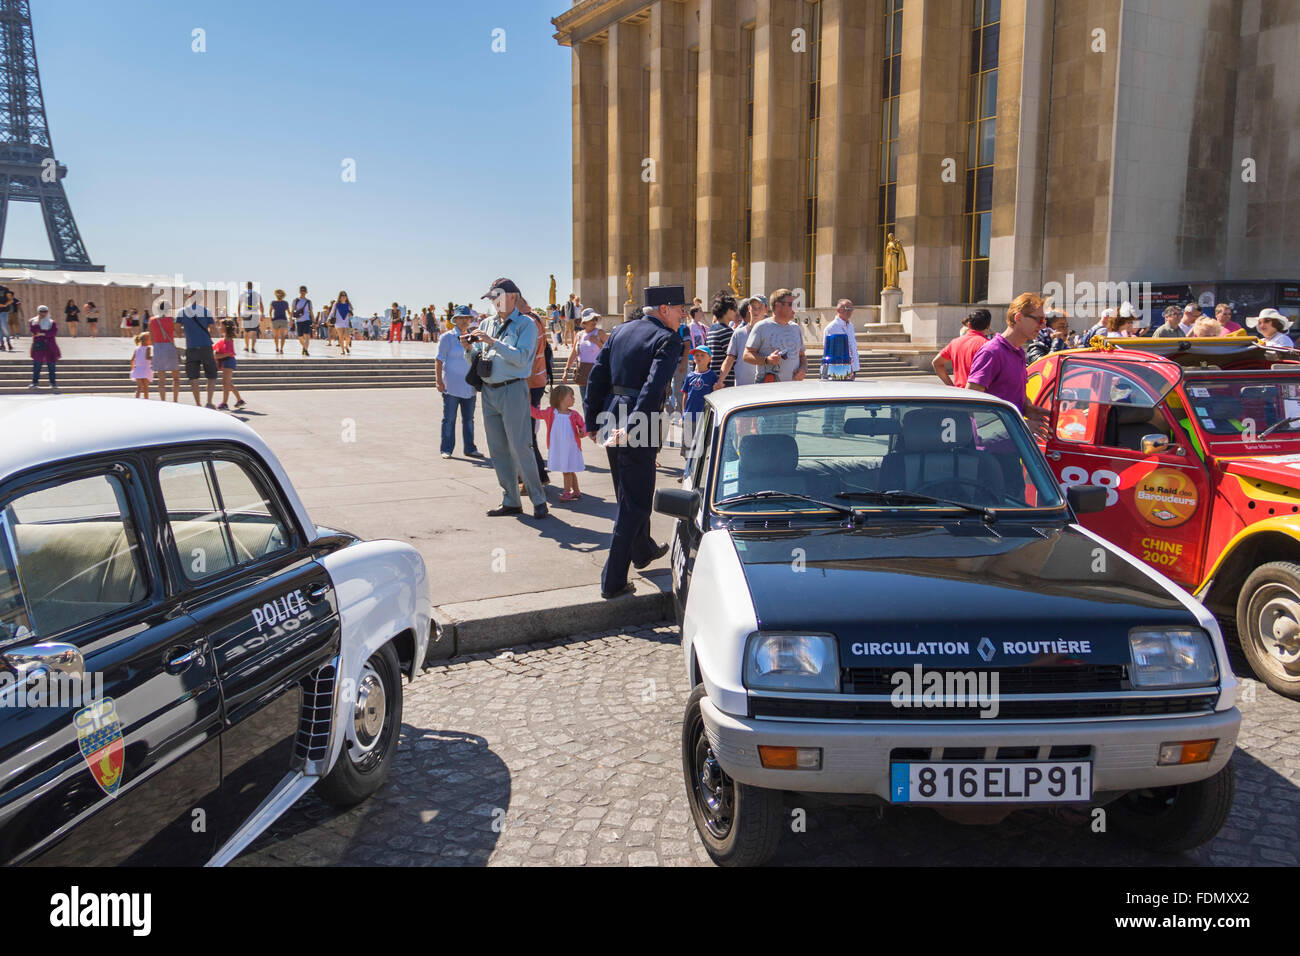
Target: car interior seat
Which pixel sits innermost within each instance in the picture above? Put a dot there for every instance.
(769, 462)
(921, 455)
(1127, 425)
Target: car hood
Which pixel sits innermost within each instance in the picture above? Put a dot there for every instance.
(1277, 469)
(956, 594)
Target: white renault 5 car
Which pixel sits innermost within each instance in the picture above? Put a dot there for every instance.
(183, 652)
(883, 592)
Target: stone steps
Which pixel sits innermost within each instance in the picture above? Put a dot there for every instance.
(109, 376)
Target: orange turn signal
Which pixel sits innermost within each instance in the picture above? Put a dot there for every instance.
(790, 758)
(1187, 751)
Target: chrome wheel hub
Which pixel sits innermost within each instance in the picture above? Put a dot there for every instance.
(369, 712)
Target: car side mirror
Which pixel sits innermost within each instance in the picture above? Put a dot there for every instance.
(1087, 499)
(1155, 444)
(677, 503)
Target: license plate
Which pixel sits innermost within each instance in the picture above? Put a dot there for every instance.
(991, 782)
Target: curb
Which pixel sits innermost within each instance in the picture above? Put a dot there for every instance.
(473, 626)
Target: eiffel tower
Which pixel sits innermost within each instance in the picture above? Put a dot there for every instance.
(28, 170)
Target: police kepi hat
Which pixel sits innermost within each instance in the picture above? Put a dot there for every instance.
(657, 295)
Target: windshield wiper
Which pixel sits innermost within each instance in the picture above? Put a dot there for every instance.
(988, 514)
(757, 495)
(1276, 425)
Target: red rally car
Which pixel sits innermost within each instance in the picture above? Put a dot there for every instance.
(1198, 441)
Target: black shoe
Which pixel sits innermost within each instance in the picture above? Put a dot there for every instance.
(505, 510)
(474, 454)
(541, 511)
(625, 589)
(658, 552)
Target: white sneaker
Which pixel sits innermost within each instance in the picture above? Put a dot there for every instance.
(33, 385)
(445, 455)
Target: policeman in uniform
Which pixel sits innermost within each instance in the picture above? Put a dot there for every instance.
(625, 393)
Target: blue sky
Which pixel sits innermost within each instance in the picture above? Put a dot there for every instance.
(227, 165)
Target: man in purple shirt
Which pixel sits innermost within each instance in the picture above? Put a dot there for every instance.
(999, 366)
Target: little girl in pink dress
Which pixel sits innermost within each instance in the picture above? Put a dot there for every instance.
(564, 431)
(142, 365)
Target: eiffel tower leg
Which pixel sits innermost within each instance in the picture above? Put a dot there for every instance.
(4, 208)
(65, 239)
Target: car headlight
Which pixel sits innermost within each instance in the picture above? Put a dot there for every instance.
(1176, 657)
(792, 662)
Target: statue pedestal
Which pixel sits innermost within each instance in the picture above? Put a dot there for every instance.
(891, 306)
(629, 311)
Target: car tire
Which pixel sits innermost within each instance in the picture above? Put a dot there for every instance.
(739, 825)
(1173, 819)
(1268, 609)
(370, 741)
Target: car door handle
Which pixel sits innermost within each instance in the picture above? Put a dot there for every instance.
(35, 661)
(180, 658)
(318, 593)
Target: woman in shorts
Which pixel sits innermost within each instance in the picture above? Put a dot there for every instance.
(340, 318)
(92, 319)
(279, 321)
(162, 337)
(302, 318)
(72, 316)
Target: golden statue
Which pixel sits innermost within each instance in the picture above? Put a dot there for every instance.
(551, 300)
(895, 261)
(629, 285)
(735, 275)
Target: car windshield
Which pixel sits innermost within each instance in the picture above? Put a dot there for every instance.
(852, 453)
(1243, 408)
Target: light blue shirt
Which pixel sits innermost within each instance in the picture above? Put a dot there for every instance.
(511, 353)
(454, 366)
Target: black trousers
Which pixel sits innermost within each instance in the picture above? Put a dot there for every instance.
(535, 399)
(633, 471)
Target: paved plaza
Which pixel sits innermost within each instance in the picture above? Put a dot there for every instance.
(569, 753)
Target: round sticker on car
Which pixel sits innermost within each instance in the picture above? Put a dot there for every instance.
(1165, 497)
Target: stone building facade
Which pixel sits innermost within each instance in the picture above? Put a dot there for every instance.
(1009, 144)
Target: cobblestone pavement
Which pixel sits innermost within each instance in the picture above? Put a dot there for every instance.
(568, 753)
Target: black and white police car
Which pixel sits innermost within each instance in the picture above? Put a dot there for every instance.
(884, 593)
(183, 653)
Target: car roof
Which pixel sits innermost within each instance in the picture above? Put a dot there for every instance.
(43, 430)
(776, 393)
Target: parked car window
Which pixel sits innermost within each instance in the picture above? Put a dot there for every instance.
(255, 528)
(1108, 408)
(219, 516)
(77, 552)
(963, 451)
(1225, 406)
(14, 624)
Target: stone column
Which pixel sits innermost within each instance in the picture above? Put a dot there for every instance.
(1020, 153)
(720, 207)
(669, 190)
(847, 190)
(628, 195)
(780, 131)
(932, 128)
(590, 180)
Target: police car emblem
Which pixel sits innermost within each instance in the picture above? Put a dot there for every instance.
(99, 735)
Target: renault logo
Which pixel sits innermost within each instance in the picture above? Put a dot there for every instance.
(986, 649)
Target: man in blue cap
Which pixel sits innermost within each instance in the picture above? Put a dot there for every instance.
(450, 369)
(625, 395)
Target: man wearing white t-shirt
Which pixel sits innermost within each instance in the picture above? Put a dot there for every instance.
(251, 316)
(842, 324)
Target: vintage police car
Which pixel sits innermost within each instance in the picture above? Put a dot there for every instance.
(884, 592)
(1198, 444)
(183, 653)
